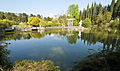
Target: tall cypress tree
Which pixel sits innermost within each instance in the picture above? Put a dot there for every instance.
(117, 11)
(108, 7)
(80, 16)
(83, 15)
(94, 10)
(112, 6)
(87, 13)
(94, 17)
(91, 11)
(100, 9)
(105, 10)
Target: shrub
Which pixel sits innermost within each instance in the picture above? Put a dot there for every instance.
(86, 23)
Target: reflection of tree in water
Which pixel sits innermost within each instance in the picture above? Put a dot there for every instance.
(37, 34)
(14, 35)
(4, 59)
(73, 38)
(108, 39)
(107, 59)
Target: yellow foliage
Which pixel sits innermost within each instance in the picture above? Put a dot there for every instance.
(34, 21)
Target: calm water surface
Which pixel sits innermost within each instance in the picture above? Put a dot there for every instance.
(64, 47)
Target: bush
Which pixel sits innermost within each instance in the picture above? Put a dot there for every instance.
(86, 23)
(29, 65)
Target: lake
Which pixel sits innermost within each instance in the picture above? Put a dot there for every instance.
(67, 48)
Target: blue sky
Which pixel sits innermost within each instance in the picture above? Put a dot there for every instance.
(44, 7)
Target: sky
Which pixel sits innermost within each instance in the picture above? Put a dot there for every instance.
(45, 7)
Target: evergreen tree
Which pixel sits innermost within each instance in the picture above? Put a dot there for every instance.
(100, 9)
(94, 17)
(117, 10)
(87, 13)
(105, 10)
(108, 7)
(80, 16)
(83, 15)
(112, 6)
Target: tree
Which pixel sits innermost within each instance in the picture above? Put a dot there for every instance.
(107, 17)
(63, 20)
(55, 22)
(94, 16)
(80, 16)
(39, 16)
(87, 14)
(24, 17)
(86, 23)
(100, 19)
(83, 15)
(34, 21)
(48, 19)
(112, 6)
(73, 12)
(105, 10)
(100, 9)
(108, 7)
(31, 15)
(117, 9)
(2, 15)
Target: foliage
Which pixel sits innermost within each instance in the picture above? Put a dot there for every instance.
(48, 19)
(86, 23)
(100, 19)
(5, 23)
(4, 59)
(28, 65)
(63, 19)
(115, 23)
(34, 21)
(55, 22)
(100, 15)
(43, 23)
(73, 12)
(107, 17)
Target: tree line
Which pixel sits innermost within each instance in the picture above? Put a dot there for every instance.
(98, 14)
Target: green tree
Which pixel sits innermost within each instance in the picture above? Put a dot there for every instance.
(86, 23)
(48, 19)
(100, 9)
(80, 16)
(117, 9)
(63, 20)
(83, 15)
(73, 12)
(105, 10)
(87, 13)
(55, 22)
(112, 6)
(100, 19)
(94, 14)
(39, 16)
(107, 17)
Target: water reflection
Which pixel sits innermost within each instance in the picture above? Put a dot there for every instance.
(4, 58)
(106, 58)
